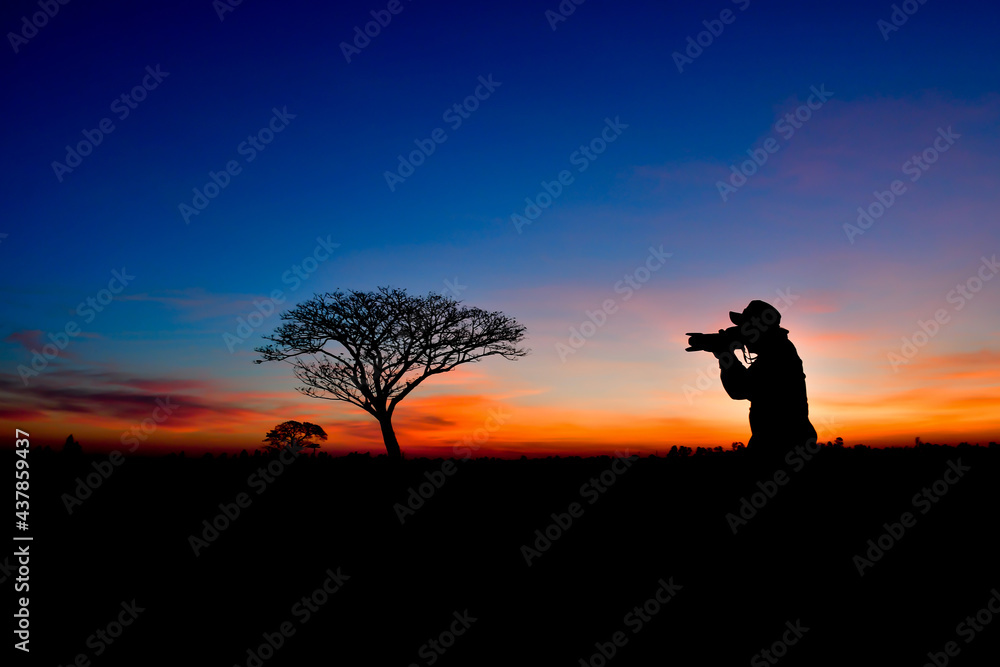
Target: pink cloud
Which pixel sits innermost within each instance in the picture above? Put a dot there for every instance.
(29, 339)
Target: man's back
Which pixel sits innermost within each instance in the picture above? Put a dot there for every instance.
(775, 385)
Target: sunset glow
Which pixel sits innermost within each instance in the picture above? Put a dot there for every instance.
(889, 292)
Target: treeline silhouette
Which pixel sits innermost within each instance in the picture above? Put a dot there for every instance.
(550, 555)
(74, 448)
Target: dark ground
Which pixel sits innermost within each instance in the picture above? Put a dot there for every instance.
(660, 519)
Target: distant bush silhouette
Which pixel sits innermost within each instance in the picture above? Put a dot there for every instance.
(388, 343)
(72, 447)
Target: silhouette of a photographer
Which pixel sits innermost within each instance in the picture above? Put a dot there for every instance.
(774, 382)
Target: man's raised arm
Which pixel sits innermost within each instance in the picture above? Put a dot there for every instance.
(735, 376)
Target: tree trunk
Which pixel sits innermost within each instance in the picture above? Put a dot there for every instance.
(389, 436)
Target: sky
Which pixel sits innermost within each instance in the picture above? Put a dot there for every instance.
(177, 171)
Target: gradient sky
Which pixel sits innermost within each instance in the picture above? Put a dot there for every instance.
(852, 298)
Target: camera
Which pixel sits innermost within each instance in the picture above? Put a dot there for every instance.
(725, 341)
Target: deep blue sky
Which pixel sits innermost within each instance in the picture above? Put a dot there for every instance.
(325, 173)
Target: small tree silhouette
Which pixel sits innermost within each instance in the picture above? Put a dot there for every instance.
(293, 433)
(383, 344)
(72, 447)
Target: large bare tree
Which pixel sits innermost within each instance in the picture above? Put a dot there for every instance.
(371, 349)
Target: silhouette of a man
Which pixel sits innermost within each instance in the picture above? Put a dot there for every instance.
(774, 383)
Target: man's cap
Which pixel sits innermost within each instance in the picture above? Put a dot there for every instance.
(762, 310)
